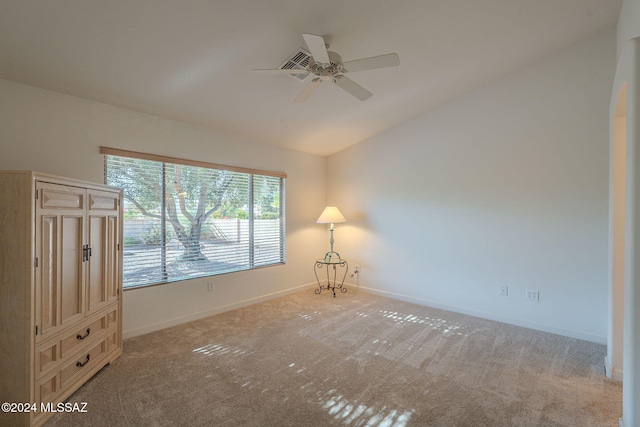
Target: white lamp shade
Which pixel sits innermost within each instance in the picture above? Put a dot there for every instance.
(331, 215)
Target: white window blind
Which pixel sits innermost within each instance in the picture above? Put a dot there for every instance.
(185, 219)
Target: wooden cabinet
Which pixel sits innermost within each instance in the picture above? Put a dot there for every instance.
(60, 288)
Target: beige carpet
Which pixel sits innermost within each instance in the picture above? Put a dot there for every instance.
(356, 360)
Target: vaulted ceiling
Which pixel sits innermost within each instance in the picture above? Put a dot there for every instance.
(191, 60)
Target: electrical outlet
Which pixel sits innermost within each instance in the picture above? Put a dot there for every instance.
(504, 291)
(532, 295)
(210, 286)
(356, 271)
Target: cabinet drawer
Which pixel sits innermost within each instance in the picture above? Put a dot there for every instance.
(81, 335)
(55, 386)
(84, 362)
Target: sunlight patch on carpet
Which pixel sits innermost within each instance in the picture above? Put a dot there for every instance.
(433, 323)
(311, 316)
(351, 412)
(219, 350)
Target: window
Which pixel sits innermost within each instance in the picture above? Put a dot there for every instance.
(186, 219)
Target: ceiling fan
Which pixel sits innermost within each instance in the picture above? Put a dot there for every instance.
(328, 66)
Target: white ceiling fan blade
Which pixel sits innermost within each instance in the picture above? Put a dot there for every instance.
(308, 90)
(382, 61)
(317, 48)
(278, 71)
(352, 87)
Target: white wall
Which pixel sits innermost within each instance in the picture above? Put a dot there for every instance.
(59, 134)
(628, 23)
(506, 186)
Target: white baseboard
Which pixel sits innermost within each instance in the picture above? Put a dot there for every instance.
(217, 310)
(611, 372)
(544, 328)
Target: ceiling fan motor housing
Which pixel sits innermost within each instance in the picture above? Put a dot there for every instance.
(327, 71)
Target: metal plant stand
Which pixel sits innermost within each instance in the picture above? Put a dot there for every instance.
(331, 263)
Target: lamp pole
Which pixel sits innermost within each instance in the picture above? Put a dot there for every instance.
(331, 253)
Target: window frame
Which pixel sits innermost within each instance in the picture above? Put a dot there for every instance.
(251, 172)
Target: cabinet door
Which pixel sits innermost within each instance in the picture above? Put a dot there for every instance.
(60, 233)
(103, 240)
